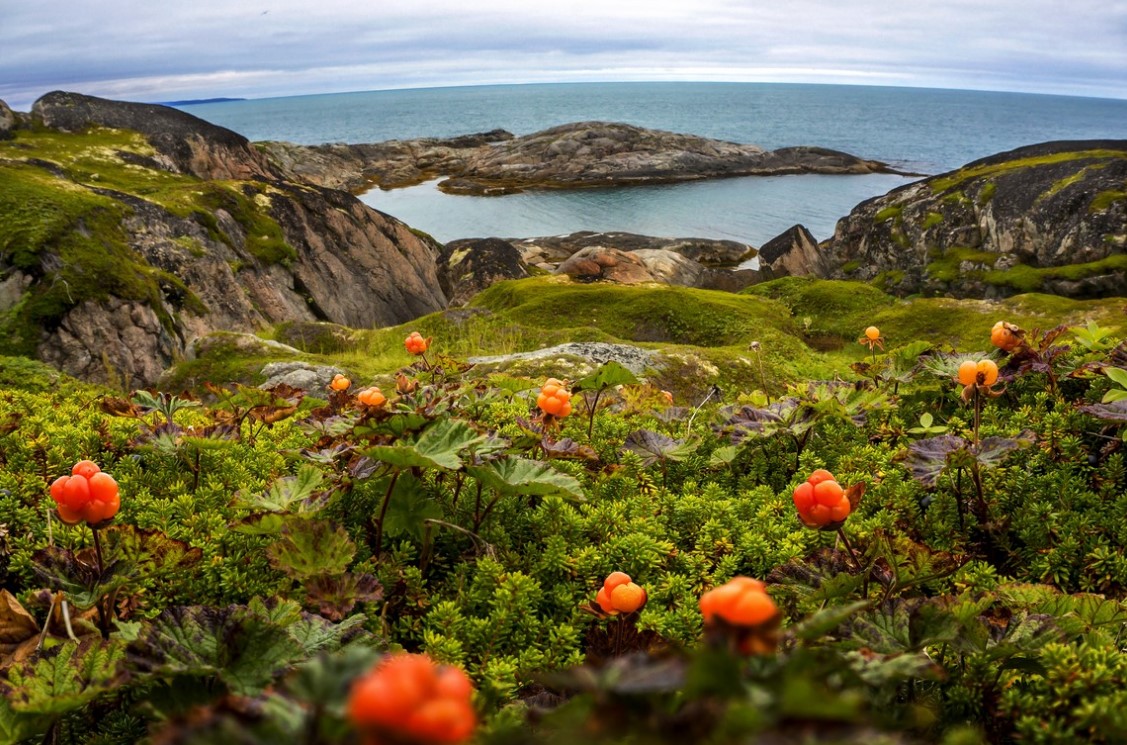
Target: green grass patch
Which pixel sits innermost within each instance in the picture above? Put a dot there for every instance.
(996, 169)
(1105, 199)
(888, 213)
(946, 266)
(932, 219)
(986, 193)
(1029, 279)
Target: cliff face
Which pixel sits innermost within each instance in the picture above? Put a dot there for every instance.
(128, 230)
(1049, 217)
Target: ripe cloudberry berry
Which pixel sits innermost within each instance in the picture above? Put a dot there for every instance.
(872, 333)
(408, 698)
(340, 383)
(416, 343)
(88, 494)
(619, 594)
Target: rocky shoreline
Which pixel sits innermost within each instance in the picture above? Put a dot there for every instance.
(571, 156)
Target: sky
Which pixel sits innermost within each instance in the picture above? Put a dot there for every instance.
(173, 50)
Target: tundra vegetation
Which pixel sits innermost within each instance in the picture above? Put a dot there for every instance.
(824, 515)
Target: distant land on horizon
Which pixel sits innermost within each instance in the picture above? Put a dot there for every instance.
(194, 101)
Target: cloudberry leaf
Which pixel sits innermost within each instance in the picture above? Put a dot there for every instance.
(520, 476)
(655, 446)
(927, 458)
(64, 677)
(308, 548)
(1115, 411)
(297, 493)
(609, 375)
(335, 597)
(76, 574)
(438, 446)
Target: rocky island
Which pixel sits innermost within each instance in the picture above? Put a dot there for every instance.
(571, 156)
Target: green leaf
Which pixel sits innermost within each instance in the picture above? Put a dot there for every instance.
(298, 491)
(1118, 374)
(723, 456)
(76, 574)
(437, 447)
(17, 727)
(1113, 395)
(245, 647)
(410, 508)
(609, 375)
(64, 677)
(655, 446)
(308, 548)
(825, 621)
(519, 476)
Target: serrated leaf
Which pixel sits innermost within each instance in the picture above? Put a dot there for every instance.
(609, 375)
(723, 456)
(519, 476)
(927, 458)
(64, 677)
(992, 450)
(297, 493)
(335, 597)
(569, 449)
(308, 548)
(245, 647)
(438, 446)
(76, 574)
(410, 508)
(655, 446)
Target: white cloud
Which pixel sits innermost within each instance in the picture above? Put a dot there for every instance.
(279, 47)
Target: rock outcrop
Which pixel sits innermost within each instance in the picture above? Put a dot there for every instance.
(182, 232)
(1049, 217)
(794, 252)
(547, 251)
(466, 267)
(583, 154)
(590, 154)
(7, 121)
(388, 165)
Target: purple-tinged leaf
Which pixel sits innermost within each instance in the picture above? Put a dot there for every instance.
(927, 458)
(1116, 411)
(655, 446)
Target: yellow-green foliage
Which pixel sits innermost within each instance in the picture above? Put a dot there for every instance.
(996, 169)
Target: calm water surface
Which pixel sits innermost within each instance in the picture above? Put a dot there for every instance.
(921, 130)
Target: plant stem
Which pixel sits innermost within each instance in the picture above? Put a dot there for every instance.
(383, 512)
(849, 548)
(592, 407)
(977, 415)
(98, 551)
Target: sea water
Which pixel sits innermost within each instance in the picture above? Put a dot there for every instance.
(913, 129)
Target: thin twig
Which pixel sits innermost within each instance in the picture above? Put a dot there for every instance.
(689, 425)
(66, 621)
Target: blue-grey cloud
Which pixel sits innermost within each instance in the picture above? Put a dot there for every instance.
(278, 47)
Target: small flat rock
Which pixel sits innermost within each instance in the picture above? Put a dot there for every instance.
(634, 359)
(299, 375)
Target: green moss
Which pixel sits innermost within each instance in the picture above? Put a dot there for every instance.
(247, 204)
(71, 239)
(986, 193)
(1028, 279)
(946, 266)
(888, 213)
(1106, 199)
(932, 219)
(889, 279)
(995, 169)
(850, 267)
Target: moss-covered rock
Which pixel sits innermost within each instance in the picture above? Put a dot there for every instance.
(120, 246)
(1049, 218)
